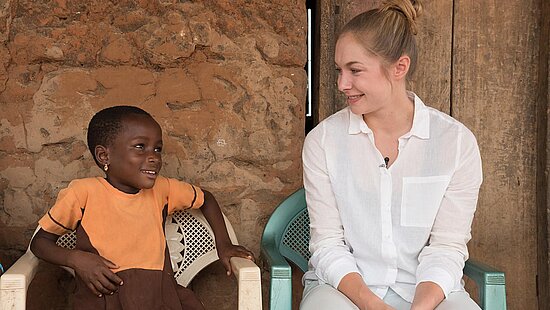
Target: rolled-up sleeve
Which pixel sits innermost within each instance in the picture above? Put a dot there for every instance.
(442, 260)
(182, 195)
(331, 257)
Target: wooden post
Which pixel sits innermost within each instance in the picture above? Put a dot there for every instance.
(543, 166)
(495, 61)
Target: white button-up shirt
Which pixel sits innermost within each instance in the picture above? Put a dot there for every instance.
(395, 226)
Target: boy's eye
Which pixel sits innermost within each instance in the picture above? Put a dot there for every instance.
(139, 146)
(158, 149)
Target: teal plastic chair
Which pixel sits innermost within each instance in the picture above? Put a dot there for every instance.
(286, 238)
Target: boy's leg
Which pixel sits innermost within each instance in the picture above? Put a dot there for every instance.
(188, 299)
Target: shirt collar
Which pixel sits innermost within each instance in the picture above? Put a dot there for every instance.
(420, 126)
(357, 124)
(421, 119)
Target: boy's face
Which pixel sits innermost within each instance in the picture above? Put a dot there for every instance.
(135, 154)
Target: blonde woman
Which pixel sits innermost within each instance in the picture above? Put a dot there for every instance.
(391, 184)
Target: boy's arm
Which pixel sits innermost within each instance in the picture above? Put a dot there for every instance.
(226, 249)
(92, 269)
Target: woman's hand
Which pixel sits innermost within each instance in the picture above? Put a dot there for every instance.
(376, 304)
(353, 286)
(226, 251)
(427, 296)
(95, 271)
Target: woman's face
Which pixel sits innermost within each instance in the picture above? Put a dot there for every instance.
(361, 77)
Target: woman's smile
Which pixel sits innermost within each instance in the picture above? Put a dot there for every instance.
(354, 99)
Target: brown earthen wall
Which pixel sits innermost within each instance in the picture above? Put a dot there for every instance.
(225, 80)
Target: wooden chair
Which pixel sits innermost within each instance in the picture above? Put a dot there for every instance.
(286, 238)
(192, 247)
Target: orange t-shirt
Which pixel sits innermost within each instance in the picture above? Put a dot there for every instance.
(127, 229)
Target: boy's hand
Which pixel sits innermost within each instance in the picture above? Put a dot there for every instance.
(91, 268)
(225, 252)
(96, 272)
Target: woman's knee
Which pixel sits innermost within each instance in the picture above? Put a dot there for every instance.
(325, 297)
(458, 301)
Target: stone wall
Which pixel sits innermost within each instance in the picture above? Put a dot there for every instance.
(224, 79)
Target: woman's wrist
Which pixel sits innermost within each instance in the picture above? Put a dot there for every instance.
(427, 296)
(369, 300)
(372, 302)
(353, 286)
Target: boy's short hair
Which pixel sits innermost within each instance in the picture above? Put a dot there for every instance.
(106, 124)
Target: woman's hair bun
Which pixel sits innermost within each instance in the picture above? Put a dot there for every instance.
(411, 9)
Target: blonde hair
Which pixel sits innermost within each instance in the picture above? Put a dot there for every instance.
(389, 31)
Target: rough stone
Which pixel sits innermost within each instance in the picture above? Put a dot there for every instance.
(19, 177)
(119, 51)
(15, 214)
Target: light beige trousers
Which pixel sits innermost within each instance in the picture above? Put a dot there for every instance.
(324, 297)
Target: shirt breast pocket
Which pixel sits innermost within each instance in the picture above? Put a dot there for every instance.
(421, 198)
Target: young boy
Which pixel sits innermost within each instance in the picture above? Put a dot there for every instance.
(121, 259)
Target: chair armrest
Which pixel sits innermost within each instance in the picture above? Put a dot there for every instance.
(280, 293)
(490, 283)
(15, 281)
(249, 282)
(279, 267)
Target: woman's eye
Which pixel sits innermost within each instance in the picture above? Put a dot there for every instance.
(355, 71)
(338, 71)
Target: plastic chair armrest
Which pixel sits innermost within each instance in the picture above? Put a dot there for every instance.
(490, 283)
(280, 269)
(280, 293)
(15, 281)
(249, 282)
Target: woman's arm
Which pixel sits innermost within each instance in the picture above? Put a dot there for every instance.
(442, 260)
(331, 257)
(93, 269)
(427, 296)
(353, 286)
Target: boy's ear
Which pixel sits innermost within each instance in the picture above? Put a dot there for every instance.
(401, 67)
(102, 154)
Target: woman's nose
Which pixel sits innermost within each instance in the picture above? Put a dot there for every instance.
(344, 82)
